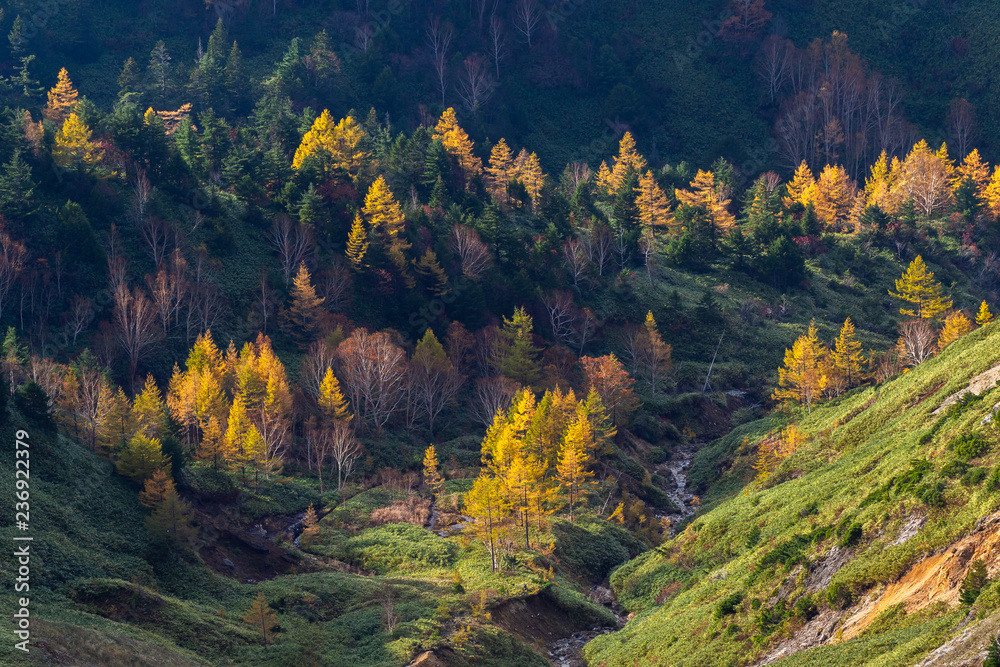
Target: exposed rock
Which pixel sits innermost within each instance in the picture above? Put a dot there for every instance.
(911, 528)
(967, 649)
(816, 632)
(823, 570)
(977, 385)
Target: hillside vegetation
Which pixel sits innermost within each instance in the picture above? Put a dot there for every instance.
(814, 555)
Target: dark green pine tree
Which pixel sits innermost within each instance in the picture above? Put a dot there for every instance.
(625, 219)
(16, 187)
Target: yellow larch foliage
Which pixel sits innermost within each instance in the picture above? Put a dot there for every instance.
(529, 172)
(456, 141)
(925, 177)
(705, 194)
(880, 188)
(432, 471)
(974, 167)
(991, 195)
(73, 146)
(802, 187)
(62, 99)
(385, 218)
(332, 401)
(956, 325)
(357, 243)
(654, 209)
(846, 358)
(261, 617)
(156, 489)
(835, 191)
(500, 172)
(984, 316)
(304, 313)
(572, 467)
(917, 286)
(628, 158)
(801, 379)
(340, 141)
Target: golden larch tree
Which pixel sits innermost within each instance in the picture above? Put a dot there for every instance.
(975, 168)
(705, 194)
(357, 244)
(956, 325)
(339, 143)
(385, 218)
(801, 378)
(304, 314)
(73, 147)
(835, 191)
(918, 287)
(432, 472)
(652, 355)
(846, 359)
(141, 458)
(155, 490)
(608, 377)
(654, 209)
(628, 157)
(261, 617)
(529, 172)
(572, 468)
(991, 195)
(802, 188)
(483, 502)
(62, 100)
(457, 143)
(984, 316)
(332, 402)
(499, 173)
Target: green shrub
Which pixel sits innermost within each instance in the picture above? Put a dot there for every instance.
(955, 469)
(932, 494)
(851, 536)
(974, 582)
(974, 477)
(753, 537)
(728, 605)
(838, 595)
(400, 546)
(970, 446)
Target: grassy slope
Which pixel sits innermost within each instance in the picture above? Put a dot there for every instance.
(851, 452)
(100, 593)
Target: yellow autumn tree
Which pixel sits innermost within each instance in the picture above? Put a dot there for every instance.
(572, 468)
(801, 379)
(484, 503)
(432, 472)
(261, 618)
(925, 178)
(499, 173)
(73, 147)
(149, 411)
(654, 209)
(704, 193)
(918, 287)
(880, 187)
(529, 172)
(156, 489)
(984, 316)
(304, 315)
(385, 219)
(991, 195)
(357, 244)
(956, 325)
(62, 99)
(845, 359)
(611, 179)
(338, 144)
(332, 402)
(457, 143)
(834, 197)
(975, 168)
(802, 187)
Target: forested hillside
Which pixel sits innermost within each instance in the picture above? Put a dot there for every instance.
(363, 334)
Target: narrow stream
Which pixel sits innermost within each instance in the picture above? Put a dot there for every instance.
(568, 651)
(676, 470)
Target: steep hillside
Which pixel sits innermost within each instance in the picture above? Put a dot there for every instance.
(856, 547)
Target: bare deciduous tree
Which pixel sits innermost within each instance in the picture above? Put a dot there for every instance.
(526, 18)
(562, 314)
(374, 373)
(81, 314)
(293, 243)
(471, 250)
(575, 260)
(492, 394)
(12, 258)
(476, 85)
(487, 350)
(344, 449)
(772, 64)
(498, 42)
(434, 383)
(135, 323)
(917, 341)
(598, 241)
(335, 286)
(439, 39)
(962, 126)
(318, 359)
(586, 327)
